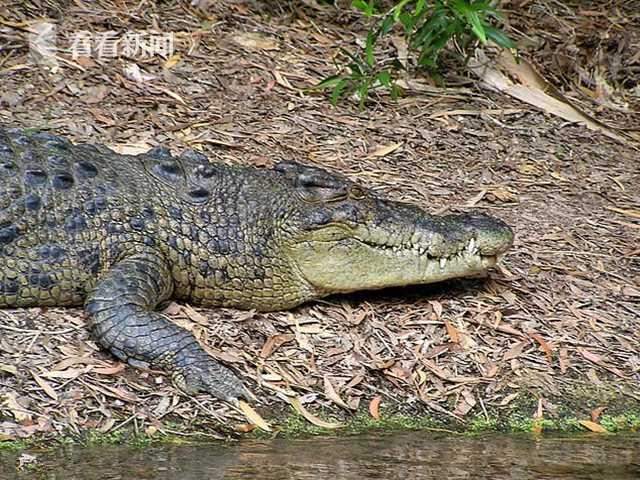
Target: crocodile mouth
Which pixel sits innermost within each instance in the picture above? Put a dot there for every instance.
(466, 255)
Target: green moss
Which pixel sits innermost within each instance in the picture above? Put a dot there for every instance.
(483, 424)
(13, 445)
(292, 425)
(621, 423)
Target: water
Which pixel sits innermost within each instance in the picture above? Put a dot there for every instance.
(406, 456)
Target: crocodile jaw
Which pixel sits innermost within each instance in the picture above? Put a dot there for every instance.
(350, 264)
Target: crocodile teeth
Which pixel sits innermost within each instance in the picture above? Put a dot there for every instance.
(472, 245)
(443, 263)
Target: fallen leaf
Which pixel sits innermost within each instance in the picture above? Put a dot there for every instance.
(524, 83)
(172, 94)
(596, 412)
(437, 308)
(18, 411)
(514, 352)
(564, 360)
(8, 368)
(172, 61)
(386, 150)
(374, 407)
(465, 404)
(48, 389)
(194, 315)
(593, 426)
(452, 331)
(245, 427)
(133, 72)
(116, 368)
(472, 202)
(130, 148)
(544, 346)
(538, 418)
(318, 422)
(107, 425)
(255, 41)
(508, 399)
(253, 416)
(67, 374)
(502, 194)
(331, 394)
(274, 342)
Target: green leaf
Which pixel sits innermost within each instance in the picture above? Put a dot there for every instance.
(436, 23)
(384, 78)
(368, 8)
(476, 25)
(387, 24)
(328, 82)
(396, 91)
(368, 49)
(397, 10)
(338, 90)
(363, 93)
(408, 21)
(498, 37)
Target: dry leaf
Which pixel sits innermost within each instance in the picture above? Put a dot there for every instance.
(255, 41)
(245, 427)
(592, 357)
(172, 61)
(274, 342)
(130, 148)
(331, 394)
(437, 308)
(564, 360)
(194, 315)
(116, 368)
(514, 352)
(508, 399)
(534, 90)
(544, 346)
(374, 407)
(133, 72)
(593, 426)
(297, 406)
(18, 411)
(596, 412)
(67, 374)
(473, 201)
(8, 368)
(538, 417)
(452, 331)
(465, 404)
(172, 94)
(386, 150)
(253, 416)
(48, 389)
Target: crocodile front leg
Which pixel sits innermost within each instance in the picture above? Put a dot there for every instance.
(122, 318)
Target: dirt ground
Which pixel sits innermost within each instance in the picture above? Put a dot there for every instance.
(556, 328)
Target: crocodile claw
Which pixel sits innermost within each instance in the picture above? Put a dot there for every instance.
(211, 377)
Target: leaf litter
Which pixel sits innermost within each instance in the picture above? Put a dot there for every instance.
(559, 316)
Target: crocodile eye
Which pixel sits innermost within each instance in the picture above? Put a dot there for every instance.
(356, 192)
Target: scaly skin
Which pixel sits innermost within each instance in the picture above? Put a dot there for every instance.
(122, 234)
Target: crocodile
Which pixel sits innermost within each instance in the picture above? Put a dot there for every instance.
(124, 234)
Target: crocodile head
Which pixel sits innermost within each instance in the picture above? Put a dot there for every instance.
(346, 238)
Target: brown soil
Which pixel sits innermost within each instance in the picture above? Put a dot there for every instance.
(557, 325)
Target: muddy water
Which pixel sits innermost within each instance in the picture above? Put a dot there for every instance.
(398, 456)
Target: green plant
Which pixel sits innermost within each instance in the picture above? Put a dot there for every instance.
(427, 27)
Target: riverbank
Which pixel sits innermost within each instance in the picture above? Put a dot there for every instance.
(552, 336)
